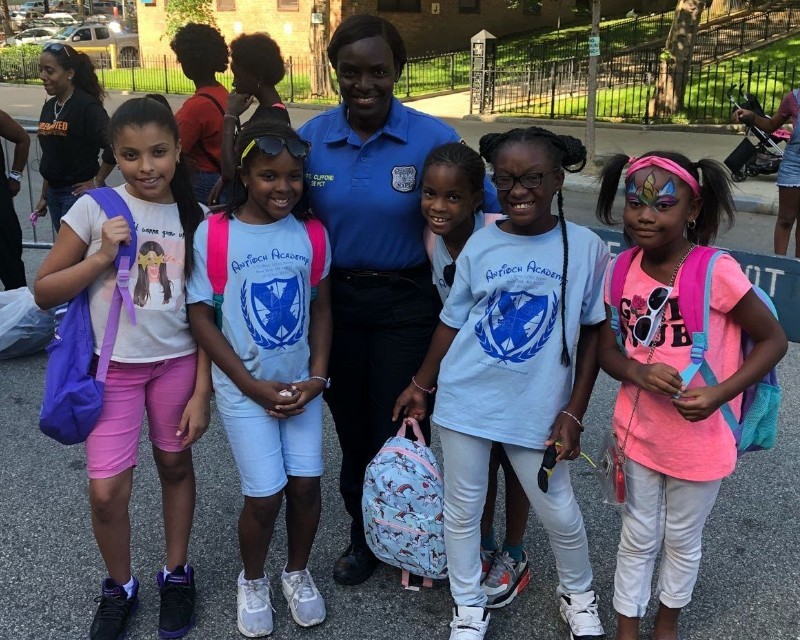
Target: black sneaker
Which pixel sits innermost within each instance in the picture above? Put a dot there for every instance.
(114, 611)
(355, 565)
(177, 602)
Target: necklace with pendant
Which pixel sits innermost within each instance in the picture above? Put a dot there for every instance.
(57, 110)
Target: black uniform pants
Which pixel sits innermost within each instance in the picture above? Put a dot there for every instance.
(12, 269)
(382, 327)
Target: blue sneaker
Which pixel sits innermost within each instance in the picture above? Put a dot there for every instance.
(177, 602)
(114, 611)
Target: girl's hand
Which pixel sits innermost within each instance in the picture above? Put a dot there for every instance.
(116, 231)
(743, 115)
(41, 207)
(412, 403)
(568, 433)
(698, 404)
(658, 378)
(304, 392)
(216, 192)
(238, 103)
(268, 394)
(79, 188)
(195, 419)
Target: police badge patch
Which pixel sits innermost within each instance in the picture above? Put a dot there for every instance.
(404, 179)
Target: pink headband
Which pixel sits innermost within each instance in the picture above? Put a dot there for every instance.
(667, 165)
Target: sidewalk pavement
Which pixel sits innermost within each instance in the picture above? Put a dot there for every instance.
(755, 195)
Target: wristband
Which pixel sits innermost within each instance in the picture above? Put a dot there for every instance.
(15, 175)
(94, 182)
(578, 422)
(327, 381)
(430, 391)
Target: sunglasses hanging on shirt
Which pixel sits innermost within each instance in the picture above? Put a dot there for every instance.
(646, 326)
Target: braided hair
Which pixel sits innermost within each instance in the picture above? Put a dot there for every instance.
(456, 154)
(564, 152)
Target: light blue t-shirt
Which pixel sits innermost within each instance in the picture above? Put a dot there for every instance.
(440, 258)
(367, 193)
(502, 378)
(265, 313)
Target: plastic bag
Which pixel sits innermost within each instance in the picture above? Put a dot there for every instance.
(611, 472)
(24, 328)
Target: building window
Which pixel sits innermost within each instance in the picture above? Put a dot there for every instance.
(532, 7)
(469, 6)
(226, 5)
(410, 6)
(288, 5)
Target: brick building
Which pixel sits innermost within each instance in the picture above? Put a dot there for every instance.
(426, 25)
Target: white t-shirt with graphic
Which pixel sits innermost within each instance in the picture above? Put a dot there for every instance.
(265, 312)
(162, 328)
(502, 378)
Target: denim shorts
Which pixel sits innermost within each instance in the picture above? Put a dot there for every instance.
(59, 201)
(268, 450)
(789, 172)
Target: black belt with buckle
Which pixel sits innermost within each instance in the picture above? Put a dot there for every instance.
(370, 279)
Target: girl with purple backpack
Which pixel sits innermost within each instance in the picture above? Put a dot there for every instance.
(675, 445)
(155, 364)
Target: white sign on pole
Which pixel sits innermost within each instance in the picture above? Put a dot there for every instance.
(594, 46)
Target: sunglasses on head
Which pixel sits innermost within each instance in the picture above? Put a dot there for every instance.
(646, 326)
(56, 47)
(273, 145)
(546, 470)
(449, 274)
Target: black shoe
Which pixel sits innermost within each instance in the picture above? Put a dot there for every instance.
(114, 611)
(355, 565)
(177, 602)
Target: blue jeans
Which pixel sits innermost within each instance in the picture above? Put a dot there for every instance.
(203, 182)
(59, 201)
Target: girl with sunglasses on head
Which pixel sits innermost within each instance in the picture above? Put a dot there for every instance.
(452, 193)
(677, 445)
(73, 129)
(155, 364)
(521, 323)
(270, 358)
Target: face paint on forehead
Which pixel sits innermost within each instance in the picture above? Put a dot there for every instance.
(646, 193)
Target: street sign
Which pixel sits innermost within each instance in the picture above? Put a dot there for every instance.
(778, 276)
(594, 46)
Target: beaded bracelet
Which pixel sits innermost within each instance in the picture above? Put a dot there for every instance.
(578, 422)
(327, 381)
(430, 391)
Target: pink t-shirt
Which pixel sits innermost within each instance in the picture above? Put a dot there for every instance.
(659, 437)
(789, 108)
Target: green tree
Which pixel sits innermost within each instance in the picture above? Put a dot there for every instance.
(6, 19)
(318, 39)
(181, 12)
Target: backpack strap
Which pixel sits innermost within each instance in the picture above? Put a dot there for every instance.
(217, 261)
(616, 282)
(316, 234)
(113, 205)
(429, 240)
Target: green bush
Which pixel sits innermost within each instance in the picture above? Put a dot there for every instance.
(20, 63)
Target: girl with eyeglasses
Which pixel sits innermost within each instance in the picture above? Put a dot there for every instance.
(513, 360)
(73, 129)
(677, 446)
(270, 354)
(452, 193)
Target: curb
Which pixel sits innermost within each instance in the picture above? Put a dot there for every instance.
(743, 202)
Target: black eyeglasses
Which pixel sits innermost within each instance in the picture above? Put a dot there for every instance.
(529, 180)
(546, 470)
(646, 326)
(56, 47)
(273, 145)
(449, 274)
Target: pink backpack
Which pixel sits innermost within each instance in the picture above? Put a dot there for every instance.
(429, 238)
(217, 258)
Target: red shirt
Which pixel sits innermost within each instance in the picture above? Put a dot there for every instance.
(200, 125)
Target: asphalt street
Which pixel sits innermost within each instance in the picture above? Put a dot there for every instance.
(50, 570)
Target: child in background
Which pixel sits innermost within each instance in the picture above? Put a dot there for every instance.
(270, 367)
(678, 446)
(154, 365)
(526, 295)
(452, 193)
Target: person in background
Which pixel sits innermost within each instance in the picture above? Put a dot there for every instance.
(202, 52)
(364, 174)
(73, 128)
(12, 269)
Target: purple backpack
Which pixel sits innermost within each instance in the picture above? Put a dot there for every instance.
(73, 398)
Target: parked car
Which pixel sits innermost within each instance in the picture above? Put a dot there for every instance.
(32, 5)
(61, 19)
(95, 39)
(20, 18)
(37, 35)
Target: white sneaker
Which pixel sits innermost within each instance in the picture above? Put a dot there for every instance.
(304, 599)
(469, 623)
(579, 611)
(254, 609)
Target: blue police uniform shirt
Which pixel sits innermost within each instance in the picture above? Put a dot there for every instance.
(502, 378)
(368, 193)
(266, 310)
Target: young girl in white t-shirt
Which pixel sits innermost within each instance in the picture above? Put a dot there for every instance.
(155, 365)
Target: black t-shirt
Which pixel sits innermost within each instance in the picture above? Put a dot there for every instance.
(71, 144)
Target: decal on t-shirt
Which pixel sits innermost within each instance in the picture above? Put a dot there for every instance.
(274, 311)
(672, 328)
(57, 128)
(404, 179)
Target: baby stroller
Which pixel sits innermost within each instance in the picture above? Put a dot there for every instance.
(762, 158)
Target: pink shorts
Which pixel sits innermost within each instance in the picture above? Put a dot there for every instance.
(163, 388)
